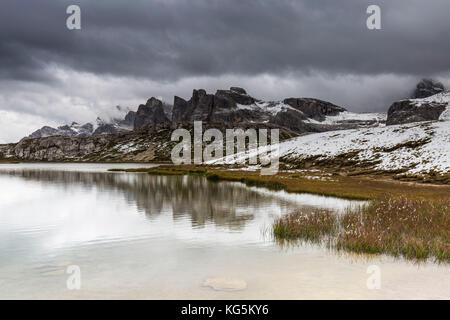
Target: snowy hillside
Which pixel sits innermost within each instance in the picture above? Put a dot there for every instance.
(416, 147)
(420, 147)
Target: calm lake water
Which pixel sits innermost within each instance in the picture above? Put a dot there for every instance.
(133, 235)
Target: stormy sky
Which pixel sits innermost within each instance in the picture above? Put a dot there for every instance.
(128, 51)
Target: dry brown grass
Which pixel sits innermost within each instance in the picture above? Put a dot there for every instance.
(347, 187)
(311, 226)
(399, 226)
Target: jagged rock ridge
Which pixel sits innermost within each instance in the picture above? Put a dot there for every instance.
(231, 106)
(297, 114)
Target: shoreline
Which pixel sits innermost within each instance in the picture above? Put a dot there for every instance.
(322, 183)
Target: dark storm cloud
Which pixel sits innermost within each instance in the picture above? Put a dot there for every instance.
(167, 40)
(128, 51)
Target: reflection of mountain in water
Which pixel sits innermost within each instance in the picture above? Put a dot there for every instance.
(201, 200)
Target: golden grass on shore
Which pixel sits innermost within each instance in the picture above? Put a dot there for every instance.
(398, 226)
(327, 184)
(8, 161)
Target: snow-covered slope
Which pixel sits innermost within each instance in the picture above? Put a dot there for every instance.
(440, 98)
(443, 97)
(416, 148)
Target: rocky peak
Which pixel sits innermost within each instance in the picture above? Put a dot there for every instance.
(150, 113)
(426, 88)
(72, 130)
(153, 102)
(314, 108)
(129, 118)
(236, 95)
(296, 114)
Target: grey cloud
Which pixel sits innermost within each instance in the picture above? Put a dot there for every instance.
(128, 51)
(167, 40)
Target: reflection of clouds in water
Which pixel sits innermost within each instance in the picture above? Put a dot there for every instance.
(48, 210)
(53, 209)
(317, 201)
(182, 196)
(201, 200)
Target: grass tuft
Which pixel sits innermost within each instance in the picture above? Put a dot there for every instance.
(399, 226)
(311, 226)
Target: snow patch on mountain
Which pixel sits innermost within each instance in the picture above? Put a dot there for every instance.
(443, 97)
(439, 98)
(270, 107)
(347, 116)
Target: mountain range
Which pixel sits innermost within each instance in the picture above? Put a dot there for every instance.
(412, 138)
(236, 106)
(232, 106)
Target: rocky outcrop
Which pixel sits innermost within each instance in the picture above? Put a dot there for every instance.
(236, 95)
(426, 88)
(149, 143)
(129, 119)
(416, 110)
(198, 108)
(150, 113)
(406, 112)
(314, 108)
(297, 114)
(223, 106)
